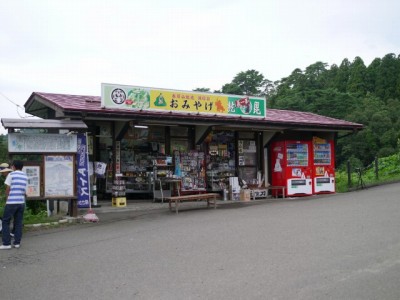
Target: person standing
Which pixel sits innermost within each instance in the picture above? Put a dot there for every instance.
(4, 173)
(4, 166)
(17, 183)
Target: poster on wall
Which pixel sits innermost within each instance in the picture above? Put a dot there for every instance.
(59, 176)
(33, 173)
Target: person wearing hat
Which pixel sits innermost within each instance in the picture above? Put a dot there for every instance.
(17, 183)
(4, 172)
(4, 166)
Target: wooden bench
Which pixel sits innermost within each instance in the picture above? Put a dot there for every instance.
(209, 197)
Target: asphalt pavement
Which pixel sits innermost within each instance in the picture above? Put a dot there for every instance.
(341, 246)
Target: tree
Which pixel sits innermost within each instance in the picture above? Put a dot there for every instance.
(372, 74)
(250, 82)
(270, 88)
(3, 148)
(387, 77)
(315, 75)
(343, 76)
(367, 95)
(231, 88)
(357, 77)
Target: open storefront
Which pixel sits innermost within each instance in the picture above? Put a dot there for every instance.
(189, 142)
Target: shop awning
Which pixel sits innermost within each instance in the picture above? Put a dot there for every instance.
(46, 124)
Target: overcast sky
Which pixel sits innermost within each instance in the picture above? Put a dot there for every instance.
(73, 46)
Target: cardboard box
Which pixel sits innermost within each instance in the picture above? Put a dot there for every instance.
(245, 195)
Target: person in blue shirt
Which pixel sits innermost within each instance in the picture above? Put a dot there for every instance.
(17, 183)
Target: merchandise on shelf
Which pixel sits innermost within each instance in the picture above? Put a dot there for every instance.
(220, 166)
(192, 171)
(119, 188)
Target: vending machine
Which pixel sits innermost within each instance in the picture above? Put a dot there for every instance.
(292, 167)
(323, 166)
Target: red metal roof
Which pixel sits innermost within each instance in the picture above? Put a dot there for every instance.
(92, 104)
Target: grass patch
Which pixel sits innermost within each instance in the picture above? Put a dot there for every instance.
(388, 171)
(35, 211)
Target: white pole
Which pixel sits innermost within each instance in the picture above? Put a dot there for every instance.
(94, 191)
(87, 159)
(48, 208)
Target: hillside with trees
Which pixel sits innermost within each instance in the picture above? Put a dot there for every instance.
(351, 91)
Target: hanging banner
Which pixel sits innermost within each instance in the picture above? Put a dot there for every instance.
(83, 182)
(143, 98)
(100, 169)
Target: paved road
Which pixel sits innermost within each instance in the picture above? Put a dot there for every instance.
(344, 246)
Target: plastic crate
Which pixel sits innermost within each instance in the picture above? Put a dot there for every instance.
(119, 201)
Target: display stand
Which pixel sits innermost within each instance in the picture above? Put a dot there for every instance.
(162, 170)
(119, 193)
(94, 192)
(161, 194)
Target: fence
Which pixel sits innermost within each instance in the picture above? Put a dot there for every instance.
(380, 170)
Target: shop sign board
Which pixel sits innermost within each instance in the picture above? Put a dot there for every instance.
(143, 98)
(41, 143)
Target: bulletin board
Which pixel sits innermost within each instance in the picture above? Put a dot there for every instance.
(59, 179)
(33, 174)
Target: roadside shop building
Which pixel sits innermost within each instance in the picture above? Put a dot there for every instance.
(203, 139)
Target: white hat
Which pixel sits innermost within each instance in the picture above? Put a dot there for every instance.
(5, 170)
(4, 165)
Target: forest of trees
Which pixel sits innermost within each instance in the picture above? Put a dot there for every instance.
(351, 91)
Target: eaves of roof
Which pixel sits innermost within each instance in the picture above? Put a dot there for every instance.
(90, 106)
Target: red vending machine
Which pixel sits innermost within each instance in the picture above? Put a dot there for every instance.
(292, 167)
(324, 166)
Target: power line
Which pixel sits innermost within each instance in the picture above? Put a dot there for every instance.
(17, 106)
(10, 100)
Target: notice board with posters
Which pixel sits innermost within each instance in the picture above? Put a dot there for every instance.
(33, 174)
(41, 143)
(59, 176)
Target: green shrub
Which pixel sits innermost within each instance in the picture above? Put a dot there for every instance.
(388, 171)
(35, 211)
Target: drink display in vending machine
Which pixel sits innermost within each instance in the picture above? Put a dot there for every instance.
(292, 162)
(323, 167)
